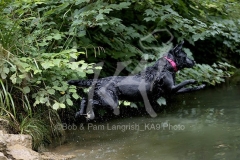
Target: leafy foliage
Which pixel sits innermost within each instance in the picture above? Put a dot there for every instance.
(45, 43)
(215, 74)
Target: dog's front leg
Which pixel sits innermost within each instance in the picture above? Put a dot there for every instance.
(186, 90)
(177, 87)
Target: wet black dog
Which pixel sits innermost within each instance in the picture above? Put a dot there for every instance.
(148, 86)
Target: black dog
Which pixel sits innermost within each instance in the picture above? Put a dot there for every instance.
(148, 86)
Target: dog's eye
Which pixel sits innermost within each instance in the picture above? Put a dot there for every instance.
(183, 55)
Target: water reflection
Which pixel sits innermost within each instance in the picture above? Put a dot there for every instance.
(201, 125)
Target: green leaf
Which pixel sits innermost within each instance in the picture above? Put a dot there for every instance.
(14, 78)
(107, 10)
(42, 44)
(56, 62)
(147, 19)
(51, 91)
(133, 105)
(74, 65)
(47, 64)
(189, 53)
(6, 70)
(61, 105)
(22, 76)
(37, 71)
(84, 66)
(124, 4)
(73, 90)
(36, 103)
(81, 33)
(43, 99)
(99, 17)
(26, 90)
(196, 37)
(49, 38)
(98, 67)
(13, 68)
(3, 75)
(89, 71)
(75, 95)
(150, 12)
(76, 54)
(81, 74)
(161, 101)
(69, 102)
(57, 36)
(126, 103)
(81, 1)
(56, 106)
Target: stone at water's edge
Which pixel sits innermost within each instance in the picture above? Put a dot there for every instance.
(2, 156)
(4, 126)
(24, 140)
(3, 148)
(19, 147)
(21, 152)
(55, 156)
(3, 145)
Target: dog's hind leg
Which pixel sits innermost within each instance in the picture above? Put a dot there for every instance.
(147, 100)
(109, 99)
(89, 110)
(83, 106)
(112, 102)
(86, 108)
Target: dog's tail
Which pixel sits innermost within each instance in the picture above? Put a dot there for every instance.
(81, 83)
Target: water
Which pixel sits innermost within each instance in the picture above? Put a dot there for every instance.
(200, 125)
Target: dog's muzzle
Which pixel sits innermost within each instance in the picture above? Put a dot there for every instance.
(190, 63)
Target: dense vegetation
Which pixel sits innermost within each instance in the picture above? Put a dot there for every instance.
(44, 43)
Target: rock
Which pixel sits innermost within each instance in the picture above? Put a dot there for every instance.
(3, 145)
(20, 152)
(55, 156)
(19, 146)
(22, 139)
(4, 126)
(2, 156)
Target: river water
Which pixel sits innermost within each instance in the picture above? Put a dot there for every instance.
(201, 125)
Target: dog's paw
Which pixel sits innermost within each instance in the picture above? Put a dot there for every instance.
(90, 115)
(202, 86)
(192, 81)
(116, 111)
(78, 114)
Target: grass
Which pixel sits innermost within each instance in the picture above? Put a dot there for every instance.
(23, 119)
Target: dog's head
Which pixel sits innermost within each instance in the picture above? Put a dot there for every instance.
(180, 57)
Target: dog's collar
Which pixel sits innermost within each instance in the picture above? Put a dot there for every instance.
(174, 65)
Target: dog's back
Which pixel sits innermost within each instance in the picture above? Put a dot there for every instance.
(149, 85)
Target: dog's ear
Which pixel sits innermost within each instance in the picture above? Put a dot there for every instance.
(178, 47)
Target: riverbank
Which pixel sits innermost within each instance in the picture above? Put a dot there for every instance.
(19, 146)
